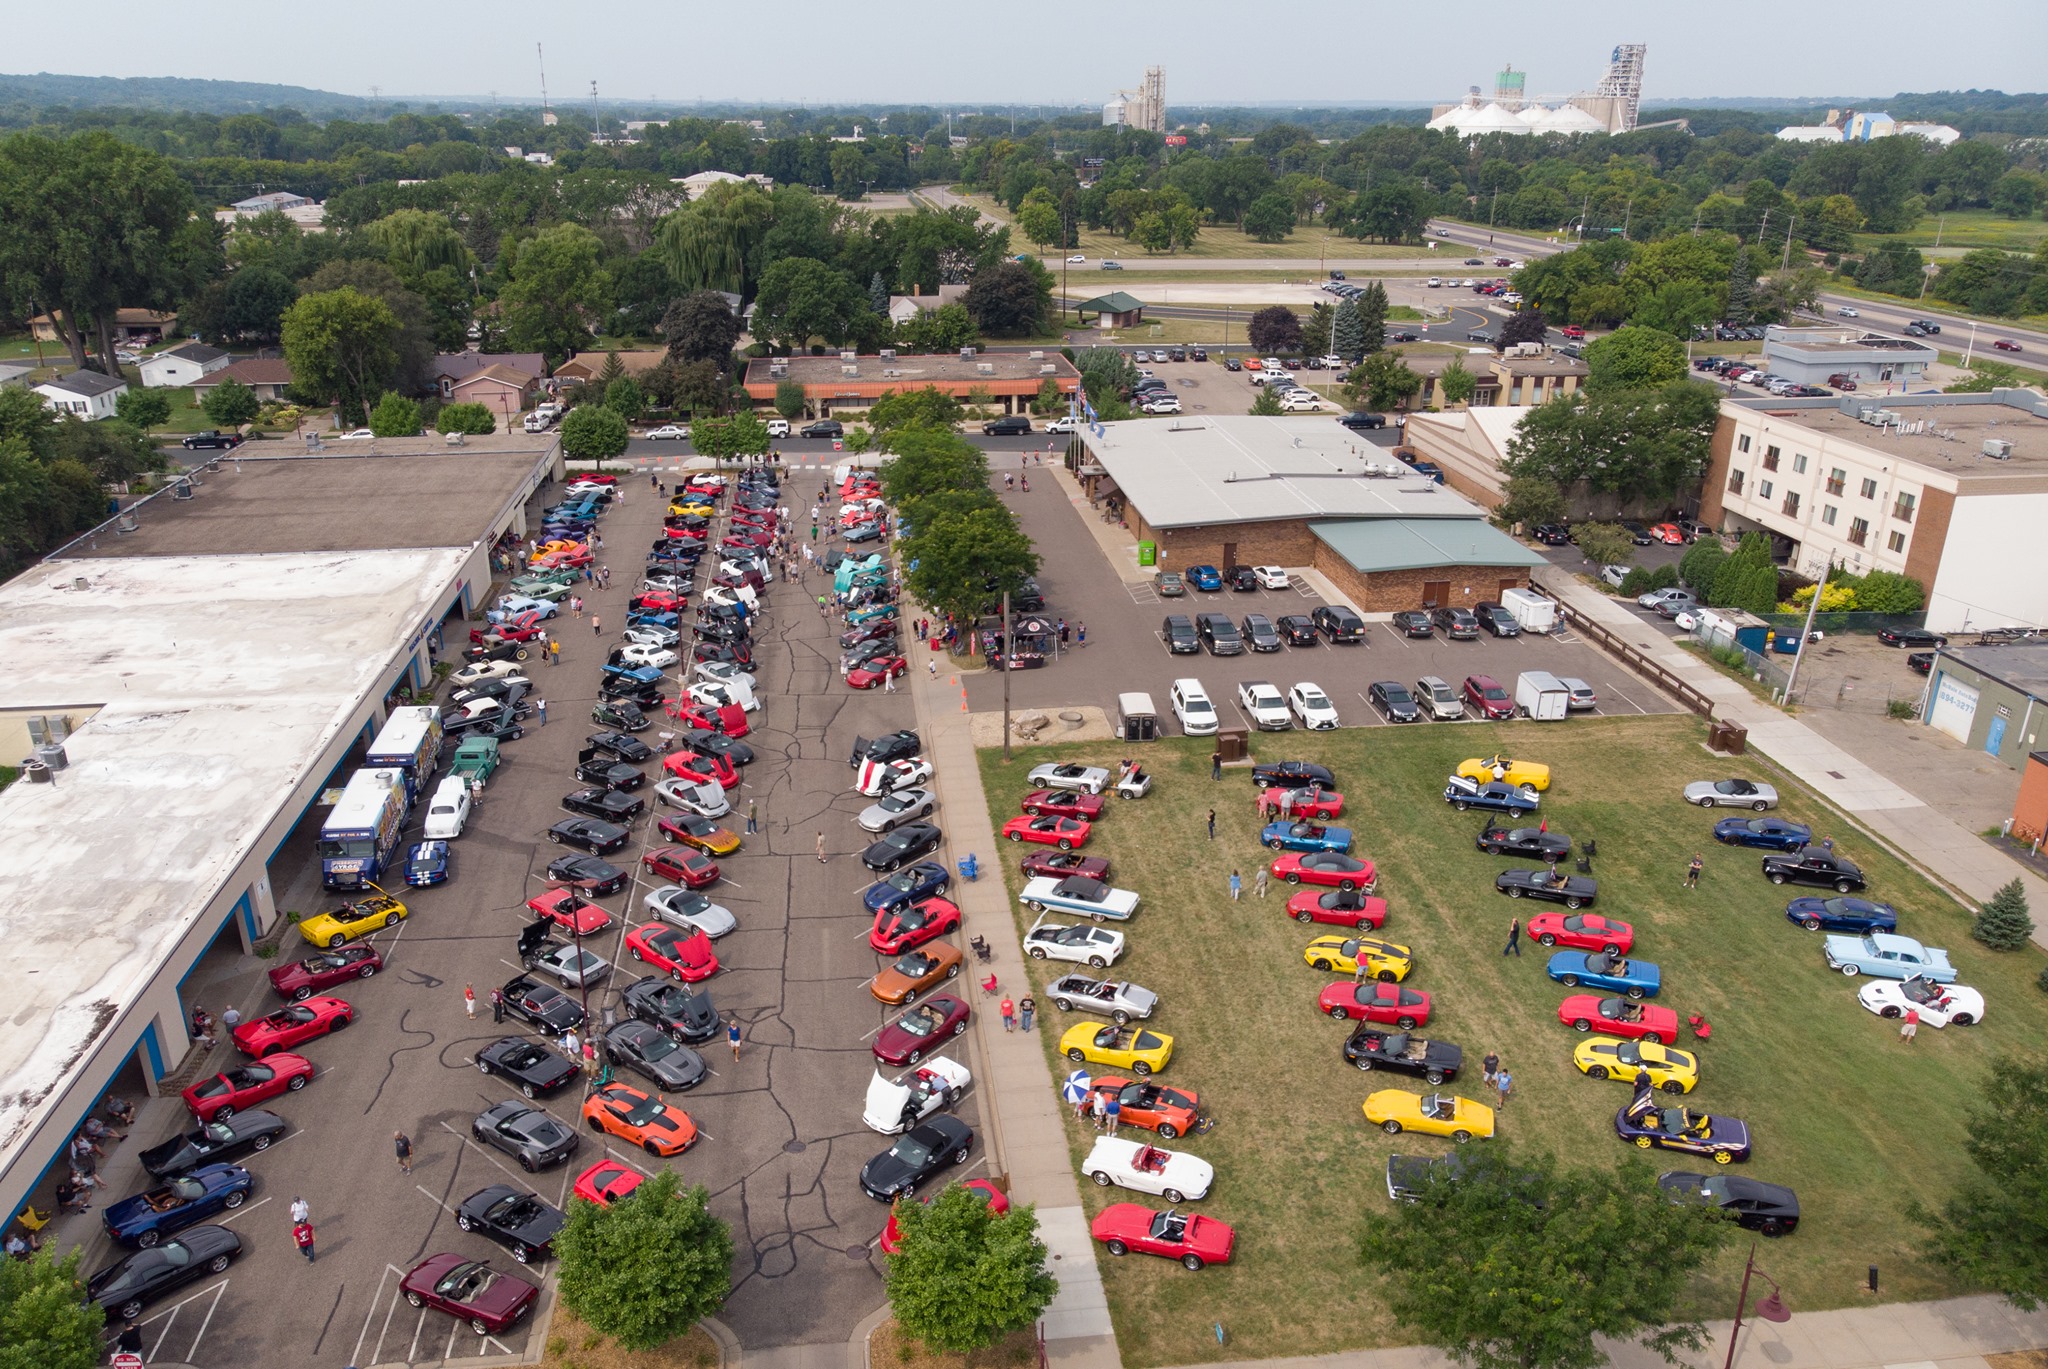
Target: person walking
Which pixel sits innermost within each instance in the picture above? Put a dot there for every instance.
(1080, 634)
(469, 1001)
(1215, 765)
(302, 1211)
(732, 1037)
(1504, 1083)
(302, 1232)
(402, 1145)
(231, 1018)
(1259, 882)
(752, 827)
(1910, 1027)
(1514, 946)
(1490, 1067)
(933, 667)
(888, 681)
(596, 626)
(1692, 871)
(1009, 1012)
(821, 848)
(540, 710)
(1025, 1008)
(1236, 888)
(1212, 824)
(576, 605)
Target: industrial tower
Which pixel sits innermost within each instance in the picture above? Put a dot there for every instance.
(1623, 84)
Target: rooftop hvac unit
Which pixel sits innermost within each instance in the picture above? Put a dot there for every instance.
(125, 526)
(1884, 417)
(1038, 356)
(845, 357)
(888, 354)
(984, 368)
(1048, 369)
(182, 490)
(967, 354)
(52, 756)
(890, 373)
(849, 371)
(1998, 449)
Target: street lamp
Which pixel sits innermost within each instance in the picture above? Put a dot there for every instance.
(1771, 1307)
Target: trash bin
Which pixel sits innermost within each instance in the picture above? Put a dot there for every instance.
(969, 868)
(1234, 743)
(1148, 553)
(1735, 739)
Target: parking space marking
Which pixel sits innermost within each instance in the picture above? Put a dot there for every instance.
(170, 1316)
(1142, 593)
(1626, 699)
(1370, 712)
(227, 1217)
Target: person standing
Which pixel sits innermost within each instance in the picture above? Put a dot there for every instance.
(1504, 1083)
(1236, 888)
(1215, 765)
(302, 1232)
(469, 1001)
(302, 1211)
(1827, 844)
(1212, 824)
(1009, 1012)
(1692, 871)
(231, 1018)
(402, 1145)
(1490, 1067)
(1259, 882)
(540, 710)
(1081, 634)
(1514, 946)
(821, 848)
(1112, 1113)
(1100, 1110)
(732, 1037)
(933, 667)
(497, 1005)
(1910, 1027)
(751, 826)
(130, 1341)
(552, 652)
(1025, 1008)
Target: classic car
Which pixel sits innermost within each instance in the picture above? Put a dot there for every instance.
(896, 1105)
(1598, 970)
(1814, 867)
(514, 1218)
(1371, 1047)
(1384, 960)
(526, 1133)
(1096, 946)
(1340, 907)
(301, 979)
(469, 1291)
(1373, 1001)
(1521, 774)
(1332, 868)
(1462, 793)
(1146, 1168)
(221, 1096)
(1767, 1209)
(921, 1031)
(147, 1218)
(526, 1062)
(1119, 1000)
(1530, 843)
(1140, 1050)
(1651, 1125)
(1193, 1239)
(1305, 836)
(428, 863)
(918, 1154)
(1434, 1114)
(287, 1027)
(901, 927)
(640, 1119)
(1731, 793)
(1769, 834)
(1886, 955)
(911, 973)
(1619, 1017)
(1583, 931)
(1939, 1005)
(1841, 914)
(1079, 894)
(1292, 775)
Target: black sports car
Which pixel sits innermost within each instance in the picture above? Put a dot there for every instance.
(1375, 1048)
(604, 803)
(123, 1289)
(902, 846)
(1531, 842)
(647, 1050)
(1767, 1209)
(513, 1218)
(619, 744)
(726, 653)
(1298, 629)
(1292, 775)
(543, 1005)
(527, 1134)
(716, 744)
(896, 746)
(619, 689)
(917, 1155)
(1771, 834)
(1414, 622)
(592, 835)
(1910, 636)
(1573, 891)
(864, 652)
(587, 873)
(211, 1142)
(678, 1009)
(607, 773)
(1814, 867)
(537, 1069)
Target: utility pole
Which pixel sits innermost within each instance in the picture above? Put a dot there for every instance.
(1495, 209)
(1786, 260)
(1806, 633)
(1008, 645)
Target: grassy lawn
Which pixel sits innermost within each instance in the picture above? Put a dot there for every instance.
(1962, 230)
(1840, 1109)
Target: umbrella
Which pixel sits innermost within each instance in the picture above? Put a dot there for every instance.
(1076, 1086)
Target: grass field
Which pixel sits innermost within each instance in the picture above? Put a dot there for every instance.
(1961, 230)
(1216, 240)
(1841, 1111)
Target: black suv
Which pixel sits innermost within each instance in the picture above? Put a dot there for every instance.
(1259, 633)
(1009, 425)
(1298, 628)
(1243, 579)
(1458, 624)
(1552, 534)
(1357, 421)
(1219, 634)
(1496, 619)
(1180, 635)
(824, 427)
(1340, 623)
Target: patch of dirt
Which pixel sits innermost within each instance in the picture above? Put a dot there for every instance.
(573, 1345)
(2019, 1359)
(889, 1348)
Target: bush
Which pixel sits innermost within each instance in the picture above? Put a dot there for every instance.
(395, 416)
(1644, 579)
(1606, 544)
(477, 420)
(2003, 923)
(1886, 591)
(1700, 568)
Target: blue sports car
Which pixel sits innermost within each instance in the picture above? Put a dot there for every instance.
(1205, 577)
(1771, 834)
(651, 620)
(1842, 915)
(148, 1217)
(1648, 1124)
(1305, 836)
(1462, 793)
(905, 887)
(1635, 978)
(428, 862)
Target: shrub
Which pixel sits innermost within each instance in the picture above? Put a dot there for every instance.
(1700, 568)
(2003, 923)
(1644, 579)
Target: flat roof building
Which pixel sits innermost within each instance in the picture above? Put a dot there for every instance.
(1992, 699)
(1808, 356)
(842, 386)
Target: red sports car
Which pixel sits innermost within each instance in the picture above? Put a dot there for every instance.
(302, 979)
(1376, 1002)
(1065, 833)
(1589, 1012)
(980, 1188)
(683, 532)
(1060, 864)
(1063, 803)
(596, 478)
(698, 768)
(607, 1181)
(1340, 907)
(905, 928)
(1325, 867)
(1308, 803)
(683, 955)
(729, 719)
(469, 1290)
(224, 1095)
(691, 869)
(922, 1030)
(1583, 931)
(524, 628)
(878, 669)
(1153, 1107)
(570, 911)
(1189, 1237)
(287, 1027)
(657, 601)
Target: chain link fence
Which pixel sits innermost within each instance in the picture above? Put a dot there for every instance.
(1828, 678)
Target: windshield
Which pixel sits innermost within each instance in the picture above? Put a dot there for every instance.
(1198, 706)
(358, 848)
(911, 1152)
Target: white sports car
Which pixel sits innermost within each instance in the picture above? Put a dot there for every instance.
(478, 671)
(1308, 703)
(890, 811)
(1939, 1004)
(1146, 1168)
(642, 654)
(1079, 894)
(649, 635)
(1095, 946)
(1731, 794)
(876, 778)
(688, 909)
(721, 671)
(1091, 779)
(1270, 577)
(716, 694)
(705, 800)
(896, 1105)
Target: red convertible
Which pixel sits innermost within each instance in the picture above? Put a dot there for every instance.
(1065, 833)
(304, 978)
(1583, 931)
(875, 671)
(691, 869)
(287, 1027)
(980, 1188)
(1189, 1237)
(524, 628)
(224, 1095)
(682, 955)
(1589, 1012)
(922, 1030)
(1060, 864)
(1312, 802)
(1152, 1107)
(1063, 803)
(657, 601)
(570, 912)
(907, 927)
(1376, 1002)
(469, 1291)
(729, 719)
(697, 768)
(1326, 867)
(1340, 907)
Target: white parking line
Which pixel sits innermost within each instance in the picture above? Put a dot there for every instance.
(225, 1218)
(1626, 699)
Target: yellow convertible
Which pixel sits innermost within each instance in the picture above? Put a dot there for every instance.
(1610, 1057)
(1522, 774)
(1384, 960)
(351, 920)
(1435, 1114)
(1137, 1049)
(687, 508)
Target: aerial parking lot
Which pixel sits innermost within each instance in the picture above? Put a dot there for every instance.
(1826, 1090)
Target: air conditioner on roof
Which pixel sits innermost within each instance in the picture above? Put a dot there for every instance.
(986, 368)
(1998, 449)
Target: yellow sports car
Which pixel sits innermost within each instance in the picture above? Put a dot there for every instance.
(1436, 1114)
(367, 914)
(1523, 774)
(1137, 1049)
(685, 508)
(1610, 1057)
(1384, 960)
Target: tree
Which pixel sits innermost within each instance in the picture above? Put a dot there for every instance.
(648, 1267)
(802, 298)
(931, 461)
(1347, 331)
(1038, 218)
(1106, 375)
(1514, 1264)
(143, 409)
(1887, 591)
(878, 295)
(559, 288)
(1269, 218)
(1372, 317)
(342, 346)
(2003, 923)
(1266, 404)
(963, 1278)
(1383, 382)
(413, 372)
(592, 432)
(1531, 501)
(947, 328)
(474, 419)
(1274, 329)
(701, 326)
(1993, 1232)
(955, 561)
(1524, 325)
(1634, 358)
(1642, 446)
(2015, 194)
(231, 404)
(1316, 331)
(1456, 383)
(613, 369)
(728, 439)
(44, 1323)
(624, 398)
(1049, 399)
(789, 399)
(929, 407)
(1700, 568)
(1606, 544)
(395, 416)
(1010, 299)
(1741, 290)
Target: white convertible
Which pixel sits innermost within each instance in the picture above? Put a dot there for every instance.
(896, 1105)
(716, 693)
(1938, 1004)
(1097, 946)
(1145, 1168)
(876, 778)
(705, 800)
(1089, 779)
(643, 654)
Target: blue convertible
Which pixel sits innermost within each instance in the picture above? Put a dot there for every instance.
(1635, 978)
(905, 887)
(1771, 834)
(1842, 915)
(147, 1218)
(1306, 836)
(1462, 793)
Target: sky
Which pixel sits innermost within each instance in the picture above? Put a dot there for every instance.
(978, 55)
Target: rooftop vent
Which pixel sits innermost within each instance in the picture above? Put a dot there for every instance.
(967, 354)
(888, 354)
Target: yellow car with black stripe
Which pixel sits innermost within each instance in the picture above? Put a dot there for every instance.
(1610, 1057)
(1521, 774)
(1433, 1114)
(1384, 960)
(370, 913)
(1140, 1050)
(690, 508)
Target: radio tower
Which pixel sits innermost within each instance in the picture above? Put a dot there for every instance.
(542, 57)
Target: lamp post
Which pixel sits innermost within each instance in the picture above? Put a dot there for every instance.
(1771, 1307)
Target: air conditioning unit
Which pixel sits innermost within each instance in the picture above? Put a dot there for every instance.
(888, 354)
(1998, 449)
(849, 371)
(967, 354)
(182, 490)
(986, 368)
(845, 357)
(1038, 356)
(1048, 369)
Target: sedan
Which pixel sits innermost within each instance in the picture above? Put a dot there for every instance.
(1583, 931)
(513, 1218)
(534, 1067)
(1332, 868)
(1393, 701)
(590, 834)
(1917, 638)
(1079, 894)
(125, 1288)
(227, 1093)
(1271, 577)
(1414, 622)
(1195, 1240)
(1887, 955)
(1339, 907)
(469, 1291)
(1297, 629)
(525, 1133)
(905, 844)
(922, 1030)
(145, 1219)
(916, 1156)
(213, 1142)
(692, 869)
(653, 1054)
(1573, 891)
(1732, 794)
(1814, 867)
(287, 1027)
(302, 979)
(1631, 978)
(1769, 834)
(1767, 1209)
(668, 432)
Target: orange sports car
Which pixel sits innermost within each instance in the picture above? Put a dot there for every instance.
(1155, 1107)
(911, 973)
(646, 1121)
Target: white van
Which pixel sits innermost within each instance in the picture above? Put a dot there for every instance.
(1192, 706)
(1541, 696)
(1137, 719)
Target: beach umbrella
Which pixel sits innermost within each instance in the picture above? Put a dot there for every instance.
(1076, 1086)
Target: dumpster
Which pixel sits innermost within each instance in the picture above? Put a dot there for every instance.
(970, 869)
(1148, 553)
(1729, 738)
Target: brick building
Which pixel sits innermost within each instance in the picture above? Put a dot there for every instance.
(843, 386)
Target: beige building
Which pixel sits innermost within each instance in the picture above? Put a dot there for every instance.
(1468, 446)
(1509, 381)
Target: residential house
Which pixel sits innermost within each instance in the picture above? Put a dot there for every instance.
(503, 389)
(452, 367)
(130, 325)
(904, 308)
(182, 365)
(269, 377)
(1511, 381)
(588, 366)
(82, 394)
(13, 372)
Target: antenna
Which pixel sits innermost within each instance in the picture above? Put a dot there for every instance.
(542, 58)
(596, 120)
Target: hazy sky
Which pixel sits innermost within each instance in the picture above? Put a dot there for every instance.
(970, 54)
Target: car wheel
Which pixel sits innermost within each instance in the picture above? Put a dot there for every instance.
(1391, 1126)
(1673, 1086)
(1406, 1024)
(1063, 1004)
(1633, 992)
(1575, 903)
(528, 1091)
(363, 973)
(1849, 971)
(1339, 1013)
(555, 837)
(1547, 939)
(336, 940)
(148, 1239)
(523, 1252)
(1323, 965)
(1016, 836)
(1038, 952)
(1570, 981)
(1167, 1131)
(1962, 1019)
(1843, 886)
(130, 1310)
(1195, 1262)
(1173, 1195)
(1722, 1157)
(1770, 1226)
(1642, 1143)
(1034, 905)
(260, 1143)
(1115, 1247)
(1077, 1055)
(218, 1264)
(1461, 1136)
(1065, 844)
(1776, 877)
(1514, 891)
(1101, 1177)
(1096, 962)
(1581, 1024)
(1707, 802)
(1460, 805)
(1596, 1072)
(1141, 1069)
(1364, 1062)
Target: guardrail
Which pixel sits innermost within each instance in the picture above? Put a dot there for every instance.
(1610, 641)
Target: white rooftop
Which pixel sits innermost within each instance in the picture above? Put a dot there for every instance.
(206, 686)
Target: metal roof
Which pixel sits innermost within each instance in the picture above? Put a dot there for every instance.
(1379, 544)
